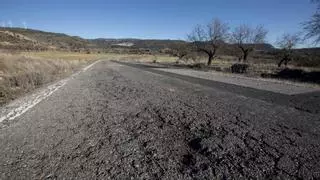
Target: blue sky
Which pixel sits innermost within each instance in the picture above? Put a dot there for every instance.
(157, 19)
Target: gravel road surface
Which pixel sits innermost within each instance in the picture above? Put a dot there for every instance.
(122, 121)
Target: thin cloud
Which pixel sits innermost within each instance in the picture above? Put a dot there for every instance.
(24, 25)
(10, 24)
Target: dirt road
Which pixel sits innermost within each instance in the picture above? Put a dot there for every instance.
(116, 121)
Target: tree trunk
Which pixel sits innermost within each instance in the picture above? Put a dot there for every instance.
(245, 55)
(210, 60)
(285, 60)
(210, 54)
(280, 63)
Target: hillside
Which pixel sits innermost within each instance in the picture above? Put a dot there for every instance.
(17, 41)
(28, 39)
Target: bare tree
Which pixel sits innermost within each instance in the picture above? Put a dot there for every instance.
(209, 39)
(287, 42)
(181, 50)
(312, 27)
(246, 38)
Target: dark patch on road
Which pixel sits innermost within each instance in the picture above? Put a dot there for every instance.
(296, 75)
(188, 160)
(308, 102)
(195, 144)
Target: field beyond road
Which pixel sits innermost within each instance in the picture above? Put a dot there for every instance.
(115, 121)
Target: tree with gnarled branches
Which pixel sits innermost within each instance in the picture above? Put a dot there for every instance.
(287, 42)
(246, 38)
(210, 38)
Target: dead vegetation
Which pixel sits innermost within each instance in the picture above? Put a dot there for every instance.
(210, 38)
(21, 73)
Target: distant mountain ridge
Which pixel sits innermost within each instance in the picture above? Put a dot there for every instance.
(29, 39)
(152, 44)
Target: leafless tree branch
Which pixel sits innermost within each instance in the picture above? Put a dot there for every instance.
(287, 42)
(208, 39)
(246, 38)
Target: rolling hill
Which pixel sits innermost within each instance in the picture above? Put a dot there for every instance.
(28, 39)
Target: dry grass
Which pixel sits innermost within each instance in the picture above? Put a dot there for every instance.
(106, 56)
(23, 72)
(146, 58)
(66, 56)
(256, 66)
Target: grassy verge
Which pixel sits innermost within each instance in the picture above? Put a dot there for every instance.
(23, 72)
(107, 56)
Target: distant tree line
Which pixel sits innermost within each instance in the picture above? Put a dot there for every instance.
(209, 38)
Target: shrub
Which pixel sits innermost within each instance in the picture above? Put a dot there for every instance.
(239, 68)
(198, 66)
